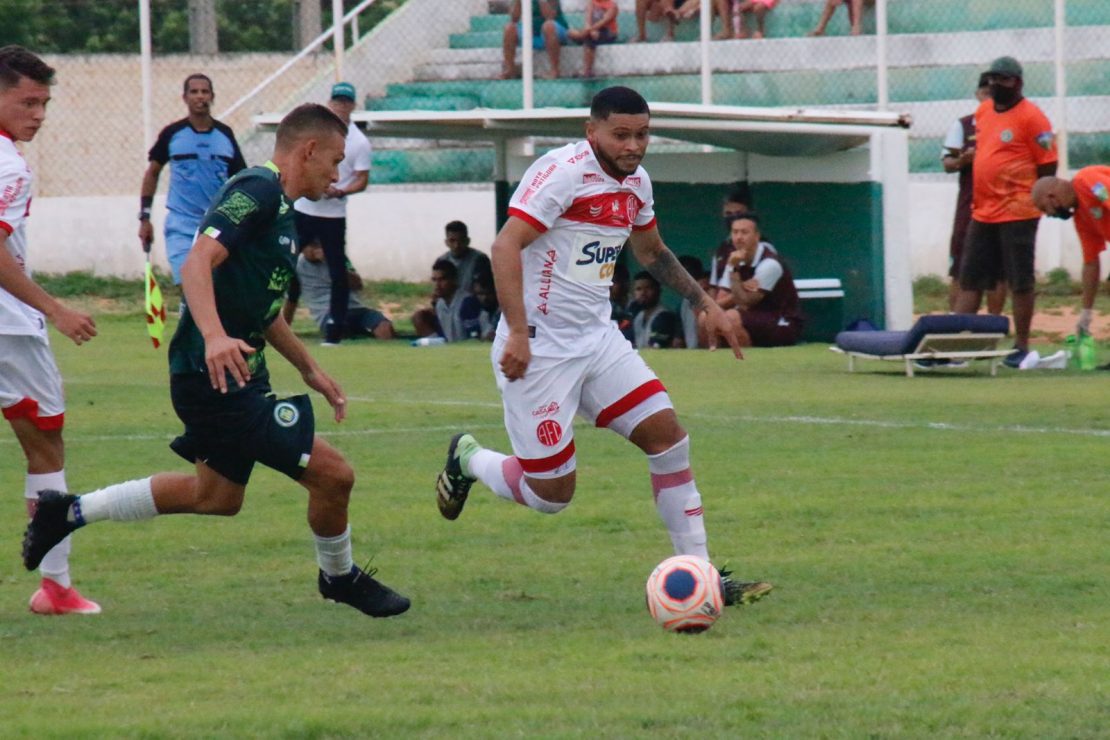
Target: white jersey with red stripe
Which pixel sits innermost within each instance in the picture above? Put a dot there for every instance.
(584, 216)
(16, 317)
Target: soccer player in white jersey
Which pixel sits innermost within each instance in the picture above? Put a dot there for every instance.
(30, 386)
(557, 353)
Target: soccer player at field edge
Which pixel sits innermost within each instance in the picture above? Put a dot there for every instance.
(557, 353)
(1086, 197)
(31, 394)
(202, 154)
(234, 281)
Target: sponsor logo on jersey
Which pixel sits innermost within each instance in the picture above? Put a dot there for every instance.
(633, 181)
(237, 206)
(594, 260)
(541, 177)
(1045, 140)
(592, 178)
(11, 192)
(547, 409)
(544, 293)
(578, 157)
(1099, 190)
(286, 414)
(527, 196)
(595, 211)
(549, 432)
(1007, 136)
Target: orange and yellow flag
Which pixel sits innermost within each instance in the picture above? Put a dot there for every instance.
(155, 307)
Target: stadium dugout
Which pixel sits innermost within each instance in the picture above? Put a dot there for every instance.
(831, 186)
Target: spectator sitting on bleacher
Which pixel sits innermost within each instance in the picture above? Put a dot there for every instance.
(601, 28)
(685, 11)
(675, 11)
(855, 16)
(767, 304)
(619, 310)
(690, 335)
(654, 326)
(484, 298)
(315, 287)
(736, 203)
(758, 9)
(549, 31)
(456, 316)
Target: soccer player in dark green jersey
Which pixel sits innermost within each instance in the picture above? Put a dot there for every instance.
(234, 281)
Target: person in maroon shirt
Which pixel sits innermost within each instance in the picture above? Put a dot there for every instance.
(767, 304)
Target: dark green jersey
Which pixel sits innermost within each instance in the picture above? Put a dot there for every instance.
(251, 217)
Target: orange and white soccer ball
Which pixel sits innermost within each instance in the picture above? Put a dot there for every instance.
(685, 594)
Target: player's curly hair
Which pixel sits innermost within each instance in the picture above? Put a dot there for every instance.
(620, 100)
(17, 62)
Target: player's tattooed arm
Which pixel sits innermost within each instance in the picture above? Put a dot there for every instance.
(660, 261)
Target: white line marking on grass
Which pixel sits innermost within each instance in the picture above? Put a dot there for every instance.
(943, 426)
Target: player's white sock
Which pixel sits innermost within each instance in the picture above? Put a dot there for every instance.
(123, 502)
(677, 499)
(333, 554)
(55, 565)
(504, 476)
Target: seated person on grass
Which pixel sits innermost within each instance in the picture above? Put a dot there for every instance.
(767, 304)
(600, 28)
(654, 326)
(483, 302)
(315, 288)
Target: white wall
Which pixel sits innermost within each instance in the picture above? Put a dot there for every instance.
(396, 232)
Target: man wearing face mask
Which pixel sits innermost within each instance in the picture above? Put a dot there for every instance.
(1087, 197)
(1014, 146)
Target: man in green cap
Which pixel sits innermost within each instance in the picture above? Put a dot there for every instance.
(324, 221)
(1014, 146)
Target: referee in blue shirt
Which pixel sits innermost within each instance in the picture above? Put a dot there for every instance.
(203, 154)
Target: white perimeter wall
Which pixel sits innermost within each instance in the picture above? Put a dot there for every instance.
(397, 232)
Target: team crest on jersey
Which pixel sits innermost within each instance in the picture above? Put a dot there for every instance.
(1007, 136)
(632, 208)
(549, 432)
(1099, 190)
(286, 414)
(1045, 140)
(284, 207)
(237, 207)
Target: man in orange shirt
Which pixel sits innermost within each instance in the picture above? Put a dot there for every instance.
(1014, 146)
(1087, 198)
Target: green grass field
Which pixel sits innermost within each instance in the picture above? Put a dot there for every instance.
(938, 544)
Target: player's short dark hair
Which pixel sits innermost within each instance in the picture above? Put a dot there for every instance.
(305, 119)
(617, 99)
(692, 265)
(645, 275)
(746, 216)
(17, 62)
(457, 227)
(447, 267)
(197, 76)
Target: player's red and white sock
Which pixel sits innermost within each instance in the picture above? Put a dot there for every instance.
(505, 477)
(123, 502)
(333, 554)
(55, 565)
(677, 499)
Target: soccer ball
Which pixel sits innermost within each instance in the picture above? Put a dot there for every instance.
(685, 594)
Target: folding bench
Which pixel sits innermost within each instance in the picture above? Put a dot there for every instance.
(939, 337)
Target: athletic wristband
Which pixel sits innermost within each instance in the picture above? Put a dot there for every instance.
(144, 214)
(145, 202)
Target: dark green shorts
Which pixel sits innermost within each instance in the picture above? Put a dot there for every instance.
(231, 432)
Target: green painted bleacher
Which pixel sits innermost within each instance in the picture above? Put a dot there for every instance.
(786, 20)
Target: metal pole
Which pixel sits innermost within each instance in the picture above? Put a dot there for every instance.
(527, 72)
(338, 38)
(145, 65)
(881, 79)
(1061, 89)
(705, 28)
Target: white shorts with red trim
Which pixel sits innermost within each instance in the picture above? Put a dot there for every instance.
(30, 384)
(612, 388)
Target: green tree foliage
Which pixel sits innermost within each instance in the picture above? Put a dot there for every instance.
(112, 26)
